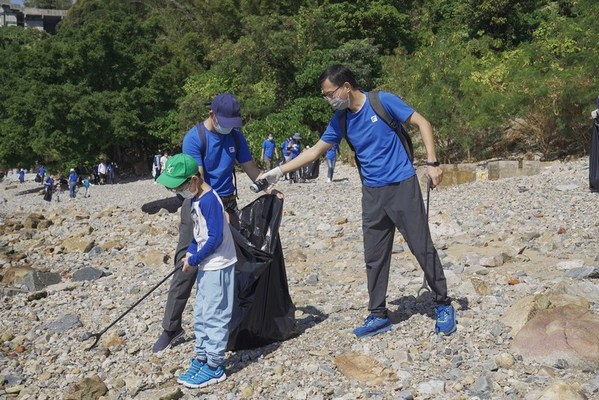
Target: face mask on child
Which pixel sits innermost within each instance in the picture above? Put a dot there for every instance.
(186, 193)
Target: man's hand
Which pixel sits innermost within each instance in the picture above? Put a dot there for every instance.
(272, 176)
(436, 175)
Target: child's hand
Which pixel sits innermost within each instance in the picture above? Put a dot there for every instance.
(186, 267)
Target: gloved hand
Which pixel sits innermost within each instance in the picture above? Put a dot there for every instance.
(273, 176)
(594, 113)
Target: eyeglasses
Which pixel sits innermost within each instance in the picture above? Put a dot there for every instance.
(330, 95)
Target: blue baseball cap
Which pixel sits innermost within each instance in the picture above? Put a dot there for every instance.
(227, 110)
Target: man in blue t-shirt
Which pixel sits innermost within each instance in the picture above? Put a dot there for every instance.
(269, 149)
(391, 196)
(225, 144)
(73, 177)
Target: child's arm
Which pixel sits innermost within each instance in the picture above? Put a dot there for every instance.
(213, 214)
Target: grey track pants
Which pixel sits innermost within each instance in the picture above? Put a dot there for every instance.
(183, 282)
(398, 206)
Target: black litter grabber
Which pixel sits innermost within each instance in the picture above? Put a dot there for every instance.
(99, 334)
(424, 287)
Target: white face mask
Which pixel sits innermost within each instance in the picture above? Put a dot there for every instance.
(221, 130)
(339, 104)
(186, 193)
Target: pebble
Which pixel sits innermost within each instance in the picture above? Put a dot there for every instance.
(486, 232)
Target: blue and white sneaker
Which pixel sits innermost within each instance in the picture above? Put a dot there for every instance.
(196, 365)
(206, 376)
(373, 325)
(445, 323)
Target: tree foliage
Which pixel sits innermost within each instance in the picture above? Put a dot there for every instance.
(124, 77)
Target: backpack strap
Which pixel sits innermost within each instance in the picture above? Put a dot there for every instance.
(397, 126)
(203, 142)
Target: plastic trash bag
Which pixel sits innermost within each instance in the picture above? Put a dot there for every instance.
(311, 170)
(263, 312)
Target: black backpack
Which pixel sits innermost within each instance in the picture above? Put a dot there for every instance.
(397, 126)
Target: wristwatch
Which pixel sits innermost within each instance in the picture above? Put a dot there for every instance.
(432, 163)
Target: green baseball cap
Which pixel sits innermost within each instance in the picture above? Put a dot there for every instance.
(177, 170)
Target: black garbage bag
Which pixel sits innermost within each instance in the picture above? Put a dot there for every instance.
(48, 195)
(311, 170)
(594, 159)
(263, 312)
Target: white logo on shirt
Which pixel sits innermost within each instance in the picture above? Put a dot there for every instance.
(374, 119)
(232, 149)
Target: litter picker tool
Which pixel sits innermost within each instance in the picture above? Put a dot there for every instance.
(99, 334)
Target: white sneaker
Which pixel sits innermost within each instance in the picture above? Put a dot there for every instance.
(329, 180)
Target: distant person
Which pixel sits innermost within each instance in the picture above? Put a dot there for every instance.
(269, 150)
(331, 156)
(73, 177)
(211, 258)
(110, 173)
(21, 175)
(163, 160)
(594, 153)
(391, 195)
(41, 172)
(96, 174)
(48, 188)
(156, 165)
(102, 171)
(87, 186)
(294, 147)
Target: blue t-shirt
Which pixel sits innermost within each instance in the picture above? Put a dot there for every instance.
(269, 148)
(383, 159)
(296, 148)
(221, 154)
(284, 149)
(332, 152)
(73, 177)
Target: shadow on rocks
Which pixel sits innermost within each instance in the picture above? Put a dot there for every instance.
(240, 359)
(35, 190)
(424, 305)
(171, 204)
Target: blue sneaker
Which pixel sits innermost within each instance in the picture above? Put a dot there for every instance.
(196, 365)
(446, 323)
(206, 376)
(373, 325)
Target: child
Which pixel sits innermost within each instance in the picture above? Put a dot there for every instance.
(212, 253)
(86, 185)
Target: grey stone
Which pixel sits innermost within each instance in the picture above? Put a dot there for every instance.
(87, 274)
(583, 273)
(483, 386)
(37, 280)
(64, 323)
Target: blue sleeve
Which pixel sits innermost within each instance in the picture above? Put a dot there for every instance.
(396, 107)
(333, 134)
(192, 145)
(243, 152)
(193, 246)
(212, 212)
(264, 144)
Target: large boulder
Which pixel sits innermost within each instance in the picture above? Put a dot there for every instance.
(568, 332)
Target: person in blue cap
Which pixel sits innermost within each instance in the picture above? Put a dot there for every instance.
(391, 195)
(215, 144)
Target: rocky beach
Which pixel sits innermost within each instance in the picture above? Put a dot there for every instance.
(520, 257)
